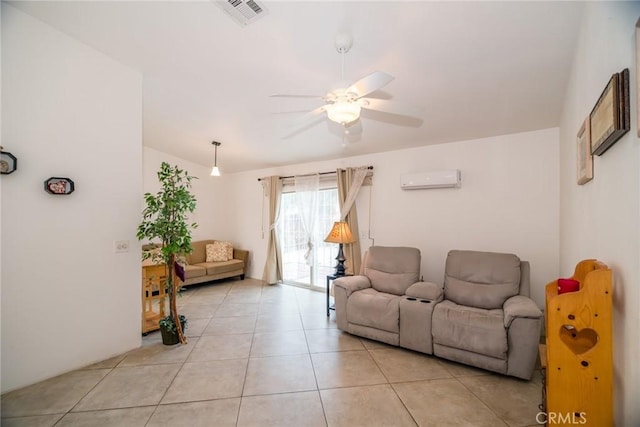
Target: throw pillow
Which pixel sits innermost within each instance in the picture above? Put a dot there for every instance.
(179, 271)
(229, 248)
(216, 252)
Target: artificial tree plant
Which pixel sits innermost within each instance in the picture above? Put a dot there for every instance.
(165, 219)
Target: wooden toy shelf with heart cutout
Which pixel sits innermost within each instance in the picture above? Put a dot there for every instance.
(579, 361)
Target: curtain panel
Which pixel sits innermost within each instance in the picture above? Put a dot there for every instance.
(349, 182)
(272, 273)
(307, 188)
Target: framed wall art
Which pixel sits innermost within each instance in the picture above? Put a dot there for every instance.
(585, 158)
(610, 116)
(8, 163)
(59, 186)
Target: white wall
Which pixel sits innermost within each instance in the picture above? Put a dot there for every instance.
(601, 218)
(509, 202)
(0, 206)
(214, 214)
(67, 299)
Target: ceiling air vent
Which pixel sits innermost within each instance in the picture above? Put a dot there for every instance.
(244, 12)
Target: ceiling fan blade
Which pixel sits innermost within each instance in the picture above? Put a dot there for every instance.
(391, 107)
(290, 112)
(305, 121)
(370, 83)
(284, 95)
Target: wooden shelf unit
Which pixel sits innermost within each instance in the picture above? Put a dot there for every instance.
(579, 357)
(154, 295)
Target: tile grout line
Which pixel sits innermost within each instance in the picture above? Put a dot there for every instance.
(482, 401)
(170, 384)
(313, 368)
(389, 383)
(246, 371)
(89, 391)
(253, 333)
(180, 369)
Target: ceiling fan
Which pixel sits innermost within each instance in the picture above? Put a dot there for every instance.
(343, 105)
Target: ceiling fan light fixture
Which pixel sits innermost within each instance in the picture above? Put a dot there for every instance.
(343, 112)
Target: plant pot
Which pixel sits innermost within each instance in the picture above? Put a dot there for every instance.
(171, 337)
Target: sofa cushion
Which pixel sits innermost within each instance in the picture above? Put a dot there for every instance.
(375, 309)
(191, 271)
(468, 328)
(222, 266)
(199, 253)
(481, 279)
(392, 269)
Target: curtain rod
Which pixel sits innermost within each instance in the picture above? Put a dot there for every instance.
(320, 173)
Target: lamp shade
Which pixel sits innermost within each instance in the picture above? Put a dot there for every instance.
(215, 171)
(340, 233)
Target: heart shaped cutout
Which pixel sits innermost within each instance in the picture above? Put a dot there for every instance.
(578, 341)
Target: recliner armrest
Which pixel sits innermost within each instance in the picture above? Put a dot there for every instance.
(520, 306)
(425, 290)
(352, 284)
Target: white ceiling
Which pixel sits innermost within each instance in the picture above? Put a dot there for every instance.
(477, 69)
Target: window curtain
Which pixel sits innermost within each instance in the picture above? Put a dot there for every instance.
(306, 188)
(272, 187)
(349, 182)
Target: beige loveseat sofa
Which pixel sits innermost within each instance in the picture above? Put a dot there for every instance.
(197, 270)
(483, 315)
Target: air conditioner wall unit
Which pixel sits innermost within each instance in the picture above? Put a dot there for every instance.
(437, 179)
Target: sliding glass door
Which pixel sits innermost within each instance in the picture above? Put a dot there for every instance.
(294, 240)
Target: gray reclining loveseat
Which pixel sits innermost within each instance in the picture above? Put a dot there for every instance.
(483, 315)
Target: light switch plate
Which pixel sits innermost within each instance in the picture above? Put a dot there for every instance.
(121, 246)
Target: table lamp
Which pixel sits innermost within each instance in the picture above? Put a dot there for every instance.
(340, 233)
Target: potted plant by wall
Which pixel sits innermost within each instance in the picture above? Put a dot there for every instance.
(164, 220)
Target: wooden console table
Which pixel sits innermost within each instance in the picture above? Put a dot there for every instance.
(154, 294)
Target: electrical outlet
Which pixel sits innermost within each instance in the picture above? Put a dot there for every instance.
(121, 246)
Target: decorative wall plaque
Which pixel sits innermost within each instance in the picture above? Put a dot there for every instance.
(57, 185)
(8, 163)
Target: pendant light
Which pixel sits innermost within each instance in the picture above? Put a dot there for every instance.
(215, 171)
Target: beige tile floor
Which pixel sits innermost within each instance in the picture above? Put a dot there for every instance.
(263, 355)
